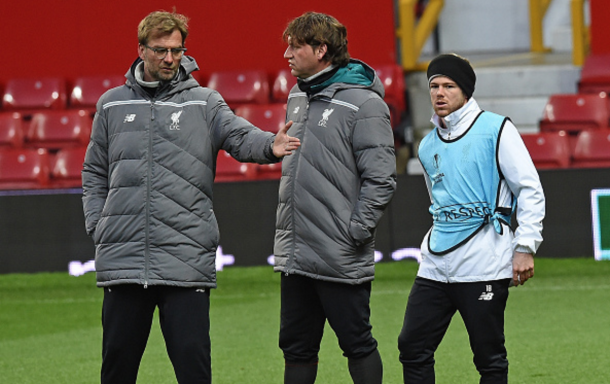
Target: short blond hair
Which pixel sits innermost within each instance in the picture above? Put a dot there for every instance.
(161, 23)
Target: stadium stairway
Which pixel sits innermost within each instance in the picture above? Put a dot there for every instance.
(517, 85)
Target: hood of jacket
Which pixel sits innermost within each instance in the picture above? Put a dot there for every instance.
(183, 80)
(355, 74)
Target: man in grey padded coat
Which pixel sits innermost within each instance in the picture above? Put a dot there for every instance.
(147, 198)
(333, 192)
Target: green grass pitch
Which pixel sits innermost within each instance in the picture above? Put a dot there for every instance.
(557, 329)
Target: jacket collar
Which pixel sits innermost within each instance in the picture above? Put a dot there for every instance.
(373, 82)
(182, 80)
(458, 122)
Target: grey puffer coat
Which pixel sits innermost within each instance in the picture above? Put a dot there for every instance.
(148, 177)
(335, 187)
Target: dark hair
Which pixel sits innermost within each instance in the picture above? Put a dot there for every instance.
(162, 23)
(317, 29)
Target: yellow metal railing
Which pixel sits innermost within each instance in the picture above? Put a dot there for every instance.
(538, 9)
(412, 34)
(580, 32)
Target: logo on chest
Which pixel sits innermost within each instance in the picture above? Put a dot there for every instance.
(175, 125)
(325, 115)
(436, 162)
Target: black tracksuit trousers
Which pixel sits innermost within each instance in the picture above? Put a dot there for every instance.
(431, 306)
(127, 316)
(306, 304)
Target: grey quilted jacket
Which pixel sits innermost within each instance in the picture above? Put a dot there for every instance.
(335, 187)
(148, 177)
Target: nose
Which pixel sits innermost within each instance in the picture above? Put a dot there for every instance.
(288, 53)
(169, 58)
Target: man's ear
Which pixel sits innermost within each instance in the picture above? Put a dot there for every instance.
(322, 49)
(141, 51)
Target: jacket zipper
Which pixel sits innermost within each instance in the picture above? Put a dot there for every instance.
(148, 181)
(290, 260)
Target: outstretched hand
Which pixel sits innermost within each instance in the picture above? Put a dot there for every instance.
(284, 144)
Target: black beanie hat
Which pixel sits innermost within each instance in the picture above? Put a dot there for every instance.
(456, 68)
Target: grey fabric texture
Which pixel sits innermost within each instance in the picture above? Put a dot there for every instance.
(148, 179)
(336, 186)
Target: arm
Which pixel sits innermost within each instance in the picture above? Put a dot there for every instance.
(244, 141)
(95, 174)
(373, 145)
(522, 179)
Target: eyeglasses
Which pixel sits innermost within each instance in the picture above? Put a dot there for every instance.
(161, 53)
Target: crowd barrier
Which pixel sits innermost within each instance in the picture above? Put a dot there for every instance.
(43, 230)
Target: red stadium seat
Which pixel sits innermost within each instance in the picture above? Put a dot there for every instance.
(229, 169)
(88, 89)
(32, 93)
(595, 74)
(575, 112)
(283, 83)
(393, 80)
(268, 117)
(592, 149)
(11, 130)
(241, 87)
(59, 129)
(66, 167)
(548, 149)
(24, 168)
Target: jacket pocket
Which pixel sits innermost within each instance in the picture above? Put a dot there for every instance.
(359, 233)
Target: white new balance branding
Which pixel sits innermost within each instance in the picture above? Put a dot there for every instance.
(129, 118)
(296, 110)
(325, 115)
(488, 295)
(175, 121)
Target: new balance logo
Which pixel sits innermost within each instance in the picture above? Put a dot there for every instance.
(296, 110)
(129, 118)
(487, 295)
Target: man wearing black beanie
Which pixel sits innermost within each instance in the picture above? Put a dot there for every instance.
(478, 173)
